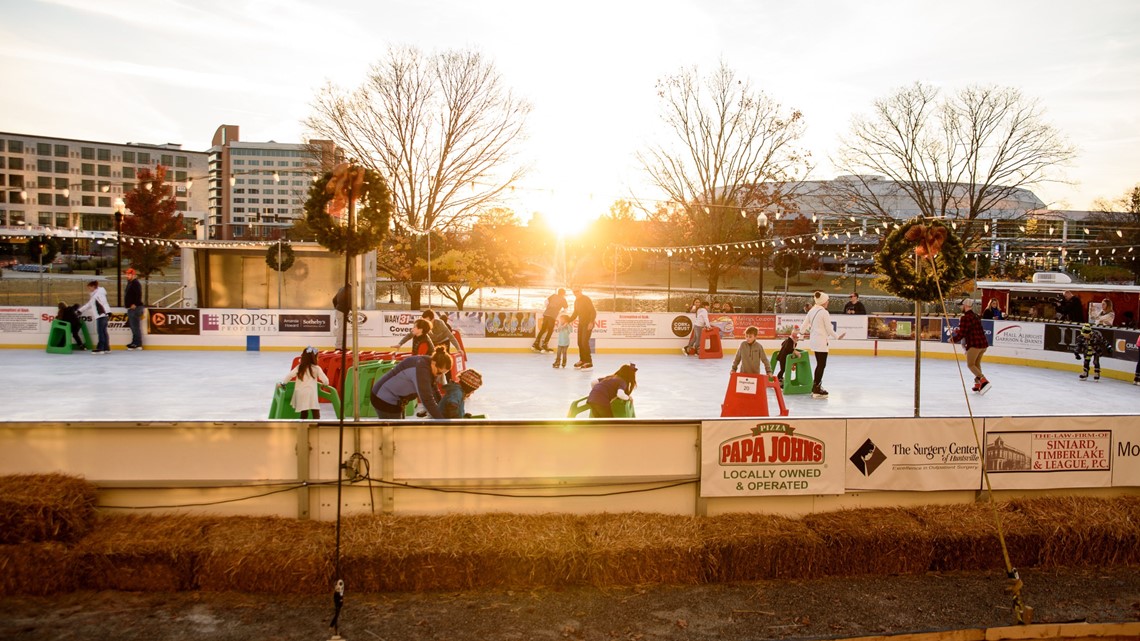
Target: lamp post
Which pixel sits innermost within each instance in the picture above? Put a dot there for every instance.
(669, 280)
(119, 207)
(761, 226)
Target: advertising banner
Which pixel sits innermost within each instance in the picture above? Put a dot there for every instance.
(1018, 335)
(1124, 344)
(1126, 453)
(771, 457)
(26, 320)
(633, 325)
(902, 328)
(320, 323)
(1046, 453)
(509, 324)
(175, 321)
(237, 322)
(1061, 338)
(853, 327)
(788, 323)
(734, 325)
(912, 455)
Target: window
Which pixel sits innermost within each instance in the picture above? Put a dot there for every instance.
(88, 185)
(239, 210)
(144, 158)
(128, 156)
(43, 182)
(60, 201)
(88, 201)
(61, 151)
(238, 232)
(3, 162)
(128, 187)
(105, 171)
(62, 166)
(61, 220)
(43, 199)
(16, 146)
(239, 162)
(43, 164)
(45, 218)
(16, 163)
(239, 200)
(61, 183)
(88, 169)
(104, 201)
(104, 155)
(43, 148)
(180, 161)
(168, 160)
(180, 205)
(255, 162)
(128, 172)
(87, 153)
(180, 176)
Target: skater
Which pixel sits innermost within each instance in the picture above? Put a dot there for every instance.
(70, 315)
(563, 328)
(700, 324)
(750, 355)
(993, 311)
(586, 314)
(440, 332)
(133, 299)
(456, 393)
(100, 310)
(1091, 345)
(420, 336)
(306, 398)
(973, 338)
(555, 303)
(411, 378)
(818, 324)
(787, 348)
(620, 385)
(853, 306)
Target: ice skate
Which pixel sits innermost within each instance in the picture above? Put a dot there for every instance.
(578, 365)
(1084, 377)
(985, 387)
(818, 392)
(586, 366)
(1096, 378)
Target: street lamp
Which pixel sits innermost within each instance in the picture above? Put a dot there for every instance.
(119, 207)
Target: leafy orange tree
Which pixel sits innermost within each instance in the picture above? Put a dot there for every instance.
(150, 222)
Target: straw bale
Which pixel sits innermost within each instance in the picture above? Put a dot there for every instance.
(45, 507)
(965, 536)
(871, 541)
(142, 552)
(461, 551)
(37, 569)
(267, 555)
(1084, 530)
(634, 548)
(750, 547)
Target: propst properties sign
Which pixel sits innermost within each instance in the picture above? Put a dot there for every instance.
(771, 458)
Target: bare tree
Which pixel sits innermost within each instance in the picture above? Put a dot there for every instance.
(442, 128)
(727, 156)
(958, 157)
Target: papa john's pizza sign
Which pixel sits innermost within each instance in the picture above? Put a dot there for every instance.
(771, 458)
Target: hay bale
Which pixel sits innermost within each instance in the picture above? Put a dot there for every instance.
(871, 541)
(750, 547)
(45, 507)
(142, 553)
(461, 551)
(965, 536)
(37, 569)
(635, 548)
(1084, 530)
(267, 555)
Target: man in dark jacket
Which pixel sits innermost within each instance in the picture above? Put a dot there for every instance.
(855, 306)
(1071, 309)
(412, 377)
(973, 337)
(554, 306)
(133, 300)
(586, 314)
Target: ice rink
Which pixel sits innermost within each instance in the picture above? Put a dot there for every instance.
(179, 385)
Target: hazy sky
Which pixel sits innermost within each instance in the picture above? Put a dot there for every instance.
(172, 71)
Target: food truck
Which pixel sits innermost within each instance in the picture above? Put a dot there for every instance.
(1040, 299)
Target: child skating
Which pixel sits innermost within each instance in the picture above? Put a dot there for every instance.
(563, 328)
(750, 355)
(306, 397)
(1091, 345)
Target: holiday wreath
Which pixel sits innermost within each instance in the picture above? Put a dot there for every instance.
(907, 256)
(368, 189)
(285, 250)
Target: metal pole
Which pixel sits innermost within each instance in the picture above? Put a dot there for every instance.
(669, 282)
(279, 272)
(429, 266)
(119, 260)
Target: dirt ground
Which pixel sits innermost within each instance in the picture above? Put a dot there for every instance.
(825, 608)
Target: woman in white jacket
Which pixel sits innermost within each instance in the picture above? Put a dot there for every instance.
(99, 309)
(818, 324)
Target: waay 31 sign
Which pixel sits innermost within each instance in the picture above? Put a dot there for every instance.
(770, 458)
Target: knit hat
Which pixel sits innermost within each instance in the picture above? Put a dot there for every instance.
(821, 299)
(1086, 329)
(470, 379)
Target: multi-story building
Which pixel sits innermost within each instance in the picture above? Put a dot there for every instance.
(258, 189)
(69, 184)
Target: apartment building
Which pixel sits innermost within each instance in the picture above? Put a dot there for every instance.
(64, 183)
